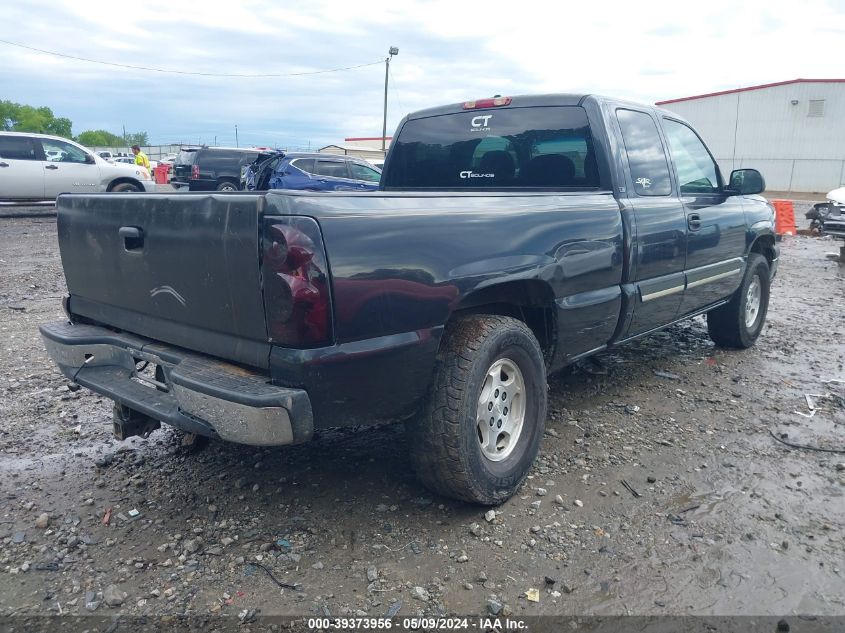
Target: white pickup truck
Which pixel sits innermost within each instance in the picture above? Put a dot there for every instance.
(40, 167)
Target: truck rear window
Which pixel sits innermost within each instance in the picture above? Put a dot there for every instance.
(186, 157)
(514, 148)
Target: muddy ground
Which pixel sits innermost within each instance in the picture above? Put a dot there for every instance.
(726, 520)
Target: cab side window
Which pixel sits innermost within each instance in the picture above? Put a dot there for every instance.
(646, 157)
(59, 151)
(697, 172)
(304, 164)
(17, 148)
(331, 168)
(362, 172)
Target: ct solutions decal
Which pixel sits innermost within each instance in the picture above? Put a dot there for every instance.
(480, 123)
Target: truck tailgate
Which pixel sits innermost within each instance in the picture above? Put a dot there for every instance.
(182, 269)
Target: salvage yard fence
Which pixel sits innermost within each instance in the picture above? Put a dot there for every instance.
(153, 152)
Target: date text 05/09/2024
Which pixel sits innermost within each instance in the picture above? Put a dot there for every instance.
(416, 624)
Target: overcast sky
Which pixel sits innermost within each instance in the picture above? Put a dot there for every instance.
(449, 51)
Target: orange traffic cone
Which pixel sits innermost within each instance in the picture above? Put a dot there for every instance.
(784, 217)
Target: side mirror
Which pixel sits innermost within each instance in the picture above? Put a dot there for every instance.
(745, 182)
(89, 159)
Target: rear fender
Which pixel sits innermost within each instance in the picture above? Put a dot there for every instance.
(531, 301)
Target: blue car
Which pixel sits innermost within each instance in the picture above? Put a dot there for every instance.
(309, 172)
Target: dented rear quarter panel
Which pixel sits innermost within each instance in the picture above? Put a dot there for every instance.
(403, 263)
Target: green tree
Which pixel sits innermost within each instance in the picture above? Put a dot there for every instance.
(16, 117)
(99, 138)
(60, 126)
(138, 138)
(7, 115)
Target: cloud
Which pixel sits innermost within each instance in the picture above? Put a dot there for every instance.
(668, 30)
(449, 52)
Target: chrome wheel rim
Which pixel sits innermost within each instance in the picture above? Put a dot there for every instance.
(752, 302)
(501, 410)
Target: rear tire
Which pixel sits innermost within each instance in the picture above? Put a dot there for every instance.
(227, 186)
(738, 323)
(455, 449)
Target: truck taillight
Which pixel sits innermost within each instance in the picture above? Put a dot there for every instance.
(195, 172)
(487, 103)
(297, 296)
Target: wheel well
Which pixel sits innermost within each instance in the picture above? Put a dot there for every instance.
(765, 246)
(223, 179)
(120, 181)
(530, 301)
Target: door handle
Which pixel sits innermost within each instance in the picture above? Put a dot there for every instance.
(51, 167)
(133, 237)
(4, 164)
(694, 221)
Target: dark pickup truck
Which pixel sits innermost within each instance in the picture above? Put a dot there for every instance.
(509, 237)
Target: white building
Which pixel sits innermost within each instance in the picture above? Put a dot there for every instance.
(792, 131)
(368, 148)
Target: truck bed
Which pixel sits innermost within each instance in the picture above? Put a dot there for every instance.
(399, 262)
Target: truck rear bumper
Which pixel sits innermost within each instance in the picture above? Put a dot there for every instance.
(198, 394)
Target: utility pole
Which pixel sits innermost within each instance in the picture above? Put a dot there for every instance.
(124, 135)
(390, 53)
(236, 136)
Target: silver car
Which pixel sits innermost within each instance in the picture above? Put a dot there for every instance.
(40, 167)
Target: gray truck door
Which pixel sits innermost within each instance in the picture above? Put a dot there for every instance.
(661, 224)
(715, 221)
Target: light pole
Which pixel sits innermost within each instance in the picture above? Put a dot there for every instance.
(390, 53)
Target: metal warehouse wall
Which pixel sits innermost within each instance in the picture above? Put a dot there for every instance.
(762, 128)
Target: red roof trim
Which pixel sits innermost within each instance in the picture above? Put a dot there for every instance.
(367, 138)
(777, 83)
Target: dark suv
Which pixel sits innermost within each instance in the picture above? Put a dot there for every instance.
(211, 168)
(310, 172)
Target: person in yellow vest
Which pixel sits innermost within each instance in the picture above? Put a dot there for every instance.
(141, 158)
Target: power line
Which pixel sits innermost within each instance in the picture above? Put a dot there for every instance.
(396, 90)
(188, 72)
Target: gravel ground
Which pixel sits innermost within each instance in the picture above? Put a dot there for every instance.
(659, 488)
